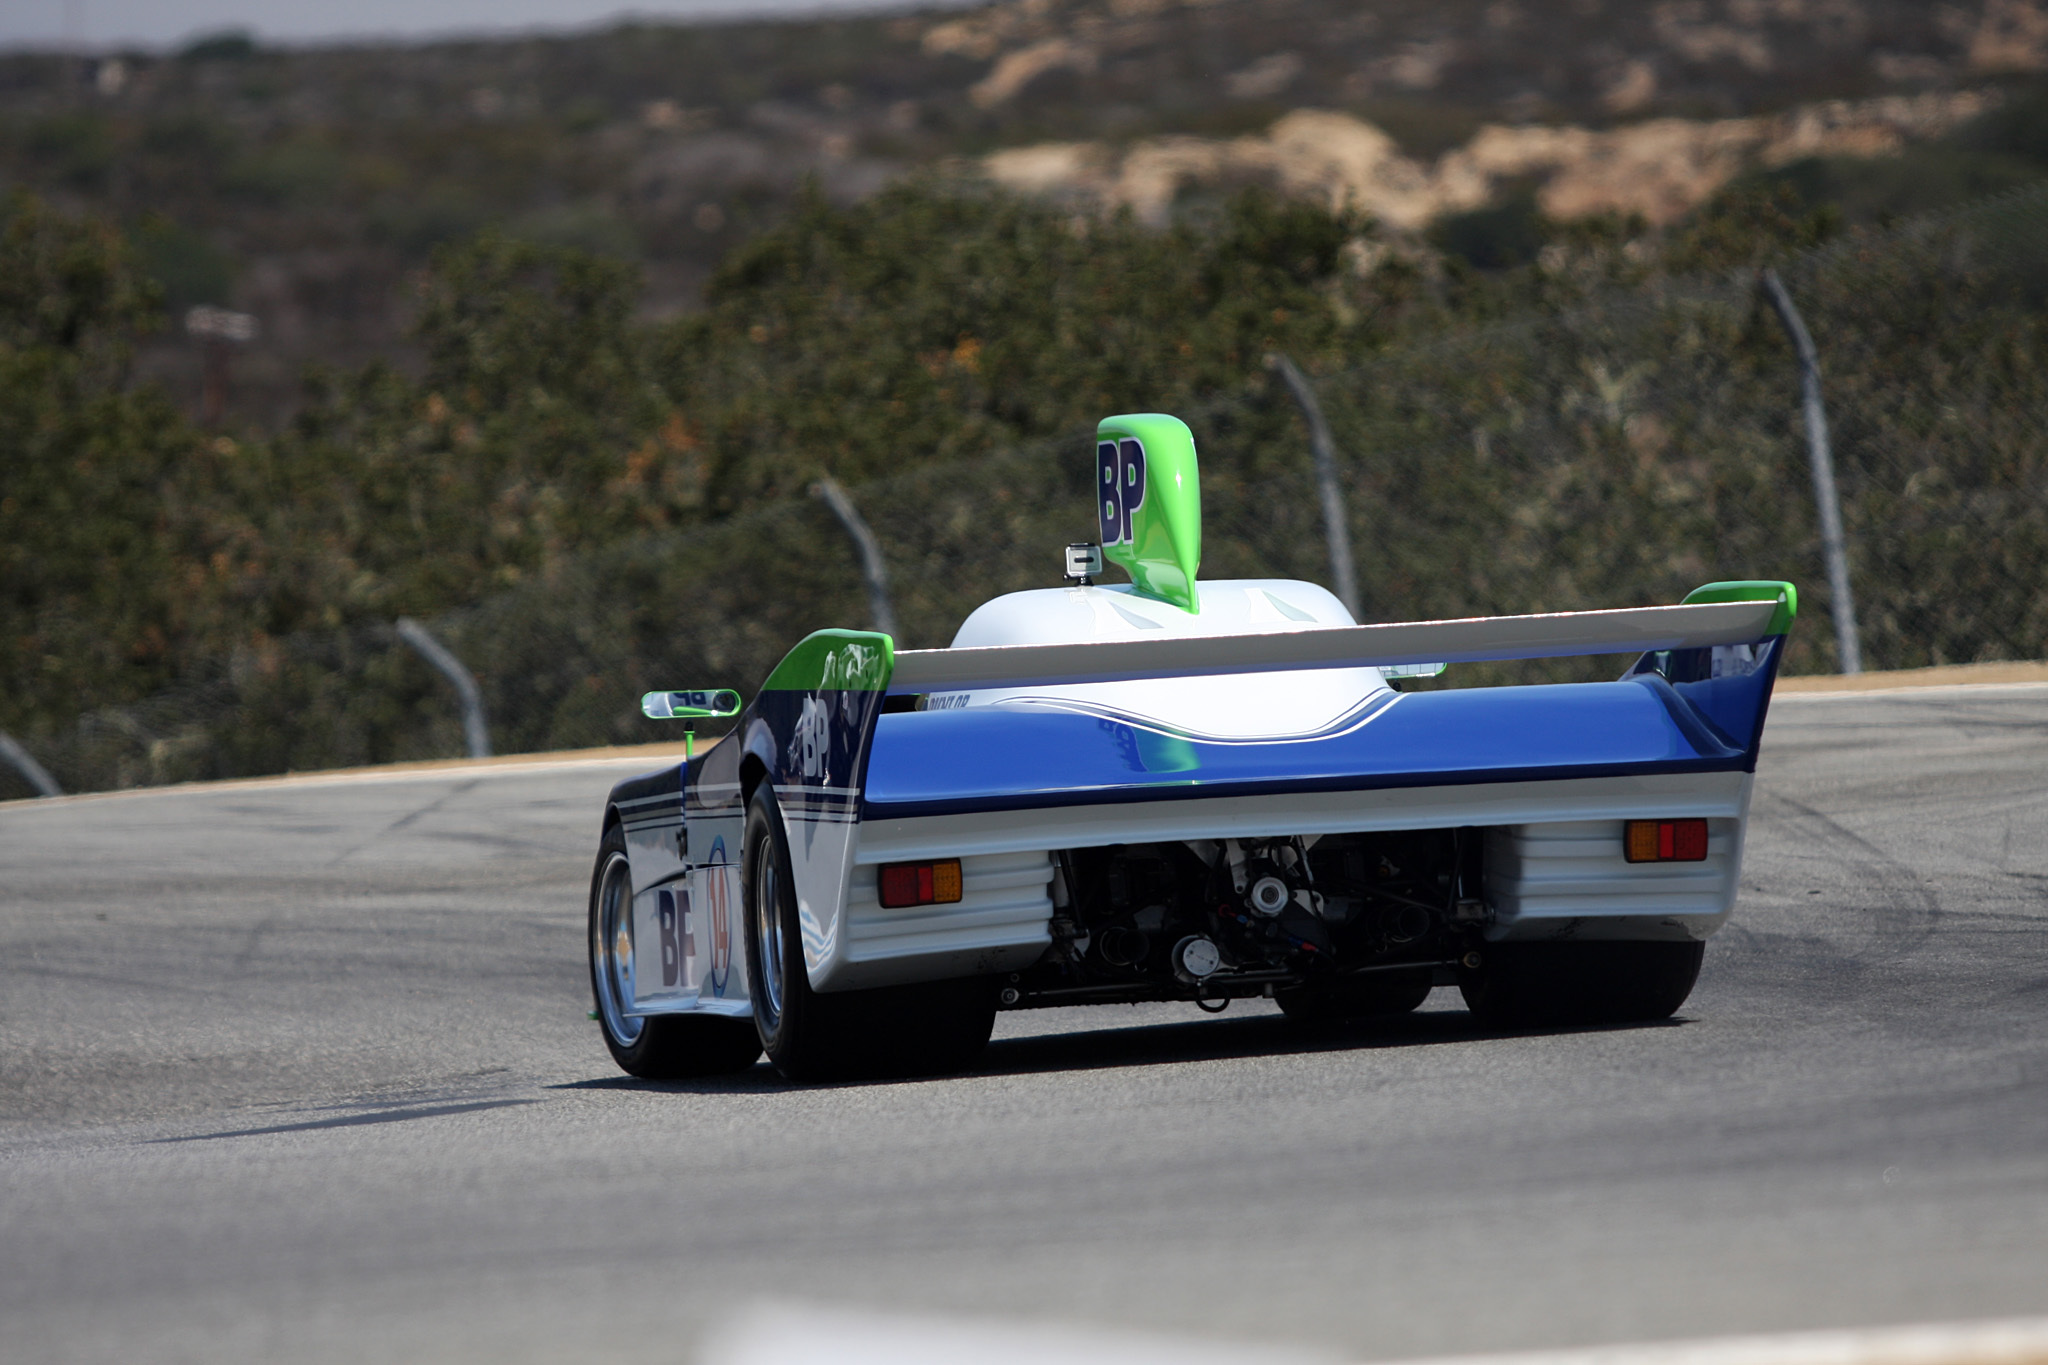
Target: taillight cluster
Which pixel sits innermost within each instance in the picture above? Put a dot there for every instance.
(907, 884)
(1666, 841)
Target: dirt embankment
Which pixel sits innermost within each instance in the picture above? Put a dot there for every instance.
(1659, 168)
(1606, 119)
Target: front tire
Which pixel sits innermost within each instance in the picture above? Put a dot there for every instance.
(1582, 983)
(662, 1047)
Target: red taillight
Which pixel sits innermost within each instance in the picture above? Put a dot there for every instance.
(905, 884)
(1665, 841)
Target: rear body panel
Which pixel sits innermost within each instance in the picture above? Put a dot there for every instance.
(1009, 775)
(1019, 756)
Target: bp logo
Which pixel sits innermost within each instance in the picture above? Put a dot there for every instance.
(1119, 487)
(672, 921)
(718, 917)
(810, 744)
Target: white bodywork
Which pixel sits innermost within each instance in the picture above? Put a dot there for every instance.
(1243, 706)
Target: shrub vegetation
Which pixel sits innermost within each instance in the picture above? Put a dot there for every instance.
(588, 501)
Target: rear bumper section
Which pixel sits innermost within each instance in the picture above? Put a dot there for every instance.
(1553, 863)
(1000, 924)
(1568, 880)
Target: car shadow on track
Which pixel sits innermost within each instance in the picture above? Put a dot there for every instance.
(1194, 1040)
(395, 1115)
(1202, 1040)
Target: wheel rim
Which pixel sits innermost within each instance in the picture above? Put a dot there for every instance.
(768, 925)
(612, 950)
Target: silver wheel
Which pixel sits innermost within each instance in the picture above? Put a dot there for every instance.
(611, 950)
(767, 908)
(665, 1047)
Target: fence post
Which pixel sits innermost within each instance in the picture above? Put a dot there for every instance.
(464, 683)
(1848, 645)
(1336, 526)
(872, 570)
(23, 762)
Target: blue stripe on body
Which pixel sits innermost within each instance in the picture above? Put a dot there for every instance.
(1005, 757)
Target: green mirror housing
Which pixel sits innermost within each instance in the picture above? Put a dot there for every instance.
(712, 705)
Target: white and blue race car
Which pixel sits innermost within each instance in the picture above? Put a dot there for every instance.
(1175, 789)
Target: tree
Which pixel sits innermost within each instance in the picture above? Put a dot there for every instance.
(95, 605)
(939, 321)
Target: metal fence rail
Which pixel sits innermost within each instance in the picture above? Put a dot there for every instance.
(1614, 454)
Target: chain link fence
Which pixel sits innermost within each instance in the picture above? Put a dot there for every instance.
(1615, 453)
(1632, 449)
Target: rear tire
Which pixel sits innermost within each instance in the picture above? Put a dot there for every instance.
(933, 1028)
(918, 1030)
(664, 1047)
(804, 1036)
(1375, 996)
(1582, 983)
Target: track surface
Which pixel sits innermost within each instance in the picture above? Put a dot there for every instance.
(303, 1072)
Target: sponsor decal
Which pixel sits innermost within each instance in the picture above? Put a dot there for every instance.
(852, 673)
(852, 665)
(671, 943)
(718, 916)
(810, 744)
(1120, 475)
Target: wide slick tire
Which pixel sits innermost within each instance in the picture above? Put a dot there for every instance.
(933, 1028)
(662, 1047)
(914, 1030)
(1581, 983)
(1373, 996)
(795, 1026)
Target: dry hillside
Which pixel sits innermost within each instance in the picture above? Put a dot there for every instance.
(306, 186)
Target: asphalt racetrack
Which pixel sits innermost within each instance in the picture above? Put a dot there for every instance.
(301, 1071)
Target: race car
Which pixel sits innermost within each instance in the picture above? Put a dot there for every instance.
(1178, 789)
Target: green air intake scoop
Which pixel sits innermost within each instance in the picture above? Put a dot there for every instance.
(1148, 498)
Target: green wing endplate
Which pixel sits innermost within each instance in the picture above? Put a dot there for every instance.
(836, 660)
(1754, 590)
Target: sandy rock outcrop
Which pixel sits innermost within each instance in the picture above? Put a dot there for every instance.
(1659, 168)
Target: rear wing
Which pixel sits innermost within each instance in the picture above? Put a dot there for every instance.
(1718, 614)
(811, 729)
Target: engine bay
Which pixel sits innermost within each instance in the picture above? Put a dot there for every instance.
(1212, 920)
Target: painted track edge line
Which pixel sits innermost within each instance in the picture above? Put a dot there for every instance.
(658, 755)
(2001, 1341)
(1909, 691)
(784, 1332)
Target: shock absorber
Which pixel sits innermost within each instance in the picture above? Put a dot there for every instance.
(1233, 915)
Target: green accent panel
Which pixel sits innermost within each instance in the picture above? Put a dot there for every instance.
(704, 705)
(1159, 753)
(1160, 540)
(1754, 590)
(836, 660)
